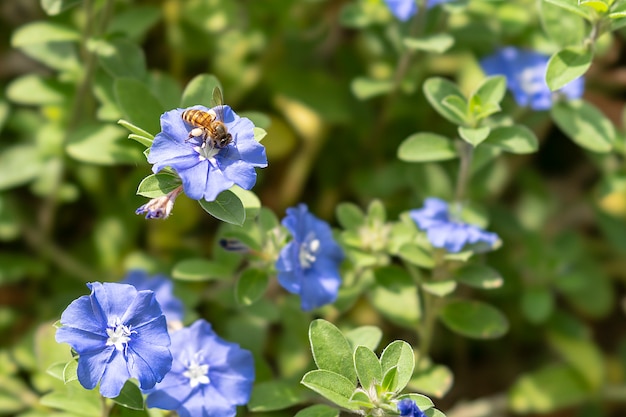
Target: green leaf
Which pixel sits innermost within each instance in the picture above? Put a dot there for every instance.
(18, 166)
(368, 336)
(398, 354)
(548, 389)
(572, 6)
(318, 410)
(349, 216)
(120, 57)
(583, 356)
(565, 29)
(200, 91)
(515, 139)
(56, 370)
(138, 104)
(491, 90)
(390, 380)
(364, 88)
(396, 296)
(474, 136)
(43, 32)
(567, 65)
(440, 288)
(134, 22)
(36, 91)
(437, 43)
(368, 368)
(474, 319)
(75, 400)
(331, 350)
(434, 380)
(584, 124)
(599, 6)
(275, 395)
(416, 255)
(227, 207)
(457, 105)
(537, 304)
(479, 276)
(436, 90)
(103, 145)
(55, 7)
(70, 371)
(259, 134)
(130, 397)
(201, 270)
(251, 286)
(135, 129)
(145, 141)
(250, 201)
(361, 399)
(332, 386)
(158, 185)
(426, 147)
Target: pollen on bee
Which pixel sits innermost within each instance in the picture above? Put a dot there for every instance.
(198, 131)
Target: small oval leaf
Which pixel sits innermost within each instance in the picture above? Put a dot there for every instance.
(426, 147)
(474, 319)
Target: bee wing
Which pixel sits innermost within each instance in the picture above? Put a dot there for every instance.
(218, 103)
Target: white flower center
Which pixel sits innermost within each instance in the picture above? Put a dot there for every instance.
(206, 152)
(119, 335)
(197, 374)
(531, 80)
(308, 251)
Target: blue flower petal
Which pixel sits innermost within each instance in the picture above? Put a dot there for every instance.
(163, 289)
(115, 375)
(91, 366)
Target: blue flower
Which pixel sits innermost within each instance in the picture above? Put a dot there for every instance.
(204, 170)
(163, 291)
(309, 264)
(118, 333)
(405, 9)
(209, 376)
(525, 73)
(446, 232)
(407, 407)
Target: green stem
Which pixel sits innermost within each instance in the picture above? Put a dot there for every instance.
(466, 151)
(404, 63)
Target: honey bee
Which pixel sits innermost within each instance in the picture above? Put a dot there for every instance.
(209, 125)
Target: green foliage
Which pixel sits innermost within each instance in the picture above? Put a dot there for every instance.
(363, 116)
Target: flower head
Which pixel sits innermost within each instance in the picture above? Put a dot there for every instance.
(205, 170)
(443, 231)
(163, 291)
(405, 9)
(118, 333)
(309, 264)
(525, 73)
(209, 376)
(407, 407)
(160, 207)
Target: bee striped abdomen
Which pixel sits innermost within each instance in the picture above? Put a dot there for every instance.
(198, 118)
